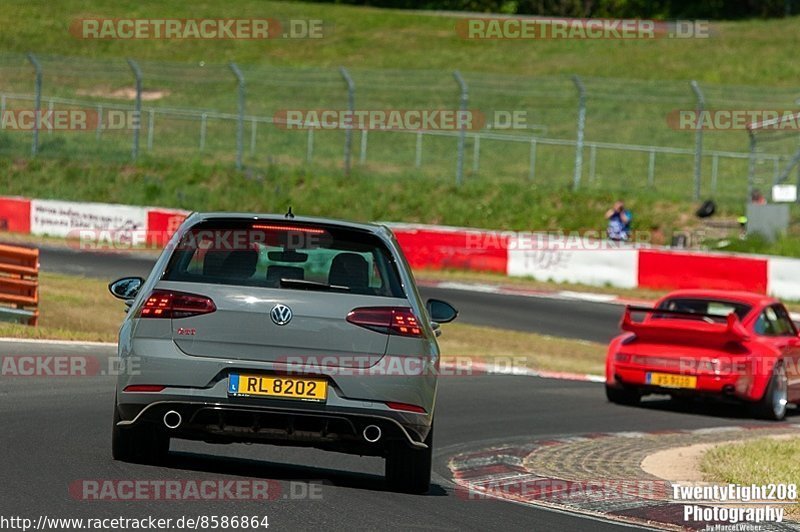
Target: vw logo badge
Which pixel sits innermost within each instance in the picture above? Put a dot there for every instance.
(280, 314)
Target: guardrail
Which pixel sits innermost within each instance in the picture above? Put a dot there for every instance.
(19, 284)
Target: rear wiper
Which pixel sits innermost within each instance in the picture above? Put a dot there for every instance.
(312, 285)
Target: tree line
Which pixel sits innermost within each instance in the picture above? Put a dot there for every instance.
(651, 9)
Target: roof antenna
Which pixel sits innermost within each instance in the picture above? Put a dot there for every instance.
(289, 213)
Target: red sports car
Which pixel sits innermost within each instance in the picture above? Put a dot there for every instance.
(737, 345)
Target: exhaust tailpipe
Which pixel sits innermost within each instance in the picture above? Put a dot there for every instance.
(172, 419)
(372, 433)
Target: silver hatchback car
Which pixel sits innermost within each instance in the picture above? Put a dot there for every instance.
(282, 330)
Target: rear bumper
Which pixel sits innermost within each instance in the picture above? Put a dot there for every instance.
(160, 362)
(732, 385)
(336, 425)
(197, 388)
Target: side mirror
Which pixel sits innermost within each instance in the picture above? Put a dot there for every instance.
(126, 288)
(441, 311)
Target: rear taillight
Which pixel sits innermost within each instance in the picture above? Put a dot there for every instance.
(406, 407)
(388, 320)
(174, 305)
(622, 357)
(144, 388)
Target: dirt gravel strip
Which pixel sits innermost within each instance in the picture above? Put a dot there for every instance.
(597, 474)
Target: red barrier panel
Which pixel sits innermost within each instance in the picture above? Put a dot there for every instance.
(672, 270)
(162, 224)
(458, 249)
(15, 215)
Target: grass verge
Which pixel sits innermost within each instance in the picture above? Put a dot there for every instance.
(536, 351)
(763, 461)
(507, 205)
(744, 52)
(652, 82)
(72, 308)
(78, 308)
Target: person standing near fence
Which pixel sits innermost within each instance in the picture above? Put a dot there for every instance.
(619, 222)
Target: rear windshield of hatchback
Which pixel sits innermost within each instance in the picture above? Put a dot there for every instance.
(277, 254)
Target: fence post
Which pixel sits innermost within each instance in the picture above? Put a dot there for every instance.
(418, 150)
(651, 168)
(351, 106)
(38, 105)
(698, 139)
(203, 119)
(476, 153)
(751, 163)
(714, 171)
(253, 133)
(532, 160)
(464, 100)
(50, 108)
(99, 129)
(576, 178)
(240, 122)
(362, 154)
(137, 113)
(151, 128)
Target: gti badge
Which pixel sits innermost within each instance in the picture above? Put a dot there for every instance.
(280, 314)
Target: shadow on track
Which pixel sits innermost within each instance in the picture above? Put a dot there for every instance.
(707, 407)
(180, 460)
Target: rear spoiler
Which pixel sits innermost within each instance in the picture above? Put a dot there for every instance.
(676, 331)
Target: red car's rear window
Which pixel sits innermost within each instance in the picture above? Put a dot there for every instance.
(714, 309)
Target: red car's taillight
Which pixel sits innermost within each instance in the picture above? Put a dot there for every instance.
(388, 320)
(174, 305)
(622, 357)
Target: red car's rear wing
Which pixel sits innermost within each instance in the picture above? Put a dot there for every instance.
(667, 330)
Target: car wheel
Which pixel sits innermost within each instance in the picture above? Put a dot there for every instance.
(408, 470)
(622, 396)
(773, 404)
(141, 444)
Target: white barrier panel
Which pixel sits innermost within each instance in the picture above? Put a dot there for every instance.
(60, 218)
(783, 277)
(600, 267)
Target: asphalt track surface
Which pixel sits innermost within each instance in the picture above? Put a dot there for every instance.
(57, 431)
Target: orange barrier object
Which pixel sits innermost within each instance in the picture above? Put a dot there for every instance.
(19, 283)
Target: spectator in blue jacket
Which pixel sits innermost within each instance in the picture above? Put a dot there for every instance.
(619, 222)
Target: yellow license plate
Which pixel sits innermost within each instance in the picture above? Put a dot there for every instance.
(670, 380)
(286, 387)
